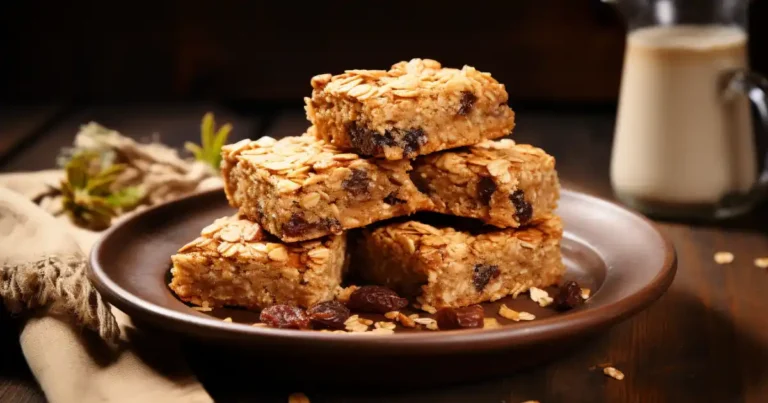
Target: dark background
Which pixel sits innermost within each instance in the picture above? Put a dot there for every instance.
(169, 50)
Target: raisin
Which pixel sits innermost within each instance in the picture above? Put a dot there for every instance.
(392, 199)
(523, 209)
(328, 315)
(368, 142)
(483, 275)
(485, 189)
(329, 224)
(460, 318)
(412, 142)
(297, 225)
(466, 102)
(357, 184)
(568, 296)
(285, 317)
(373, 298)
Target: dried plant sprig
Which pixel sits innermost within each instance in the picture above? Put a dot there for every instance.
(89, 194)
(211, 141)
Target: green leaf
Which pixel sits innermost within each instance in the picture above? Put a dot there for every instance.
(206, 130)
(126, 197)
(218, 142)
(212, 141)
(194, 149)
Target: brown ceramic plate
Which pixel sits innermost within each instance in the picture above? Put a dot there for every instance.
(619, 255)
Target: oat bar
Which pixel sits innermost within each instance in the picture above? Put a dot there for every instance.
(235, 263)
(441, 266)
(499, 182)
(301, 188)
(415, 108)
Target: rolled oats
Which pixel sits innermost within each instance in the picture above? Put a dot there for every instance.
(319, 254)
(364, 321)
(232, 250)
(613, 373)
(279, 254)
(462, 268)
(385, 325)
(213, 268)
(253, 233)
(353, 324)
(491, 323)
(516, 316)
(723, 257)
(320, 80)
(459, 183)
(350, 222)
(287, 186)
(230, 234)
(438, 101)
(424, 321)
(342, 294)
(428, 308)
(189, 246)
(585, 292)
(405, 320)
(540, 296)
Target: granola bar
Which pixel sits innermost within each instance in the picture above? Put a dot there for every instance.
(235, 262)
(415, 108)
(441, 266)
(499, 182)
(301, 188)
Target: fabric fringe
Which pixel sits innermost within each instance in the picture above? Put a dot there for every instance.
(62, 285)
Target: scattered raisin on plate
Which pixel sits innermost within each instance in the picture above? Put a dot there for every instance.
(328, 315)
(460, 318)
(568, 296)
(285, 317)
(375, 299)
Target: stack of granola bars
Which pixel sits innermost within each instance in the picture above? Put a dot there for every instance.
(382, 146)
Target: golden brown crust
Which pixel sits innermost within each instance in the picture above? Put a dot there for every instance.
(301, 188)
(234, 262)
(443, 267)
(415, 108)
(499, 182)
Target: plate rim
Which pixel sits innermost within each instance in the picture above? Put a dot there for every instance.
(423, 343)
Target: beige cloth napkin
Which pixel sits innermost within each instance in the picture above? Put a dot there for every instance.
(72, 364)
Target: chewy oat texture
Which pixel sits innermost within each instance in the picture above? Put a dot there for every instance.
(235, 263)
(499, 182)
(415, 108)
(302, 188)
(443, 267)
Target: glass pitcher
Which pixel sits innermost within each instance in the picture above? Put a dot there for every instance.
(684, 142)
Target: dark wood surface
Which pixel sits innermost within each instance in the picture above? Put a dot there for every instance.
(266, 50)
(706, 340)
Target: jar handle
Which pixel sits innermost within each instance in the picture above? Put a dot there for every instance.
(755, 88)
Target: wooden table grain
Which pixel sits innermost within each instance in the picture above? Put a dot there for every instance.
(706, 340)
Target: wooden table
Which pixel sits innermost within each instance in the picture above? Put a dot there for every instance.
(706, 340)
